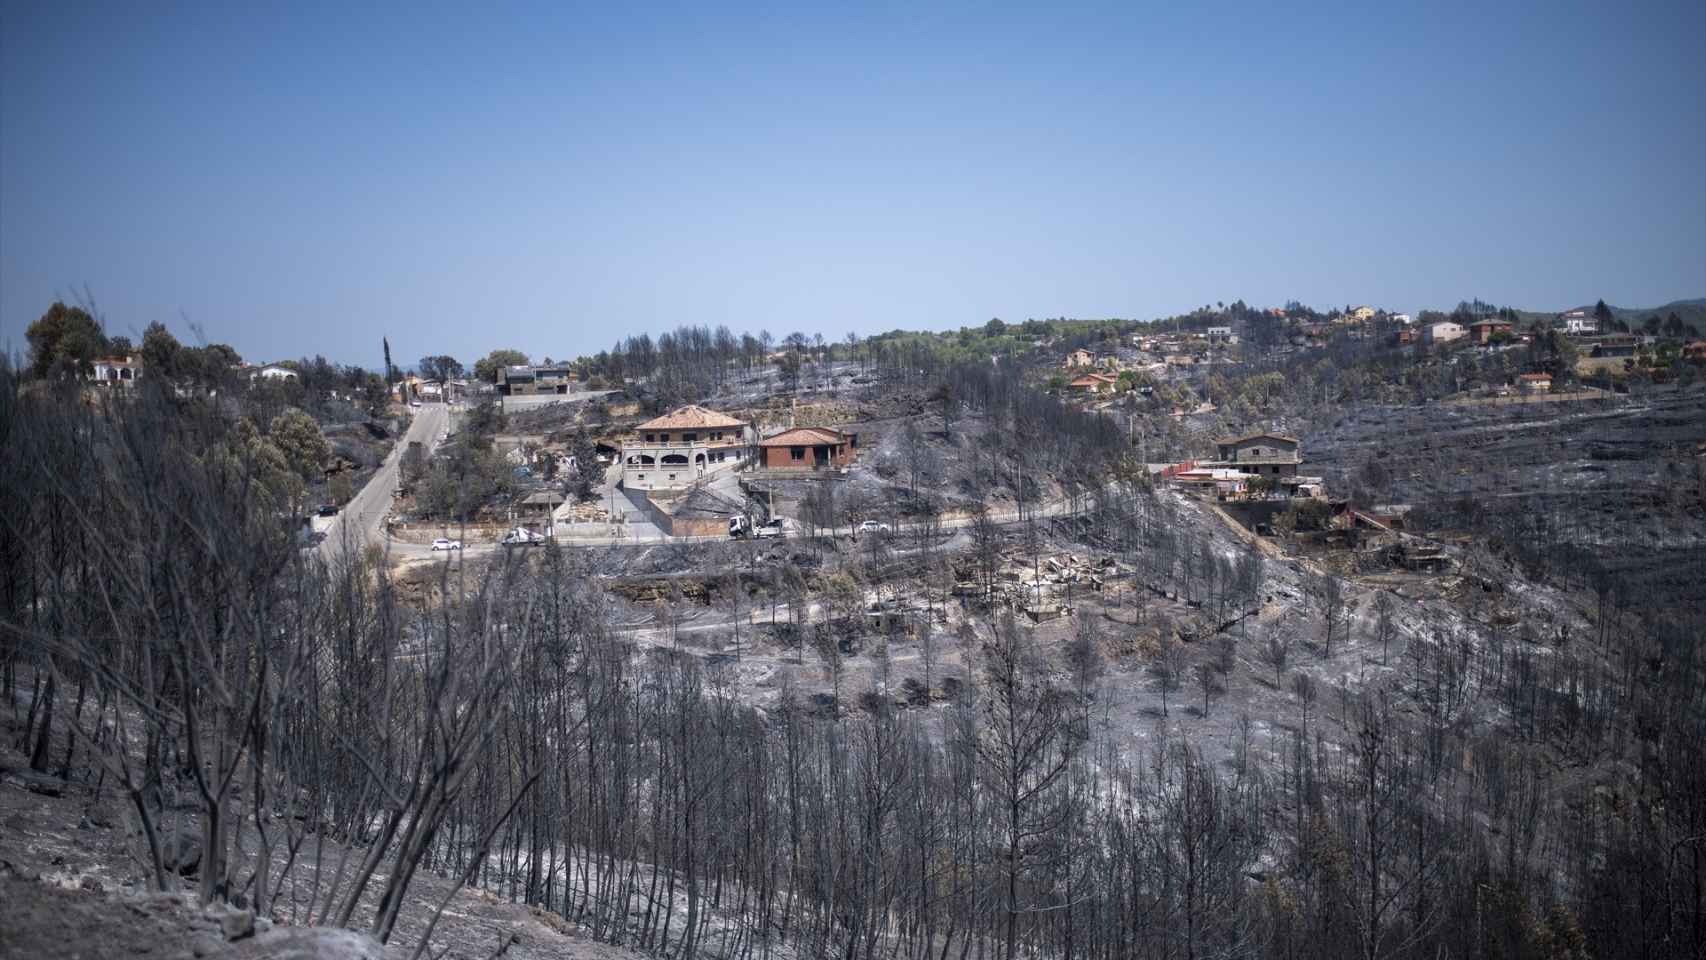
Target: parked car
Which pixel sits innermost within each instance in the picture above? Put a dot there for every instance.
(442, 544)
(328, 510)
(414, 403)
(873, 526)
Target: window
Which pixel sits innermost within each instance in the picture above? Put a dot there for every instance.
(639, 476)
(689, 437)
(717, 435)
(650, 438)
(797, 454)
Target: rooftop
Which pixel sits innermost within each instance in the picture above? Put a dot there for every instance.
(689, 417)
(1256, 436)
(804, 437)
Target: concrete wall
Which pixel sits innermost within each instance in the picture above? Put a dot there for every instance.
(1253, 512)
(698, 526)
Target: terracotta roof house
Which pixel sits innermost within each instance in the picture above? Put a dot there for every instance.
(691, 417)
(672, 451)
(1534, 382)
(1095, 383)
(807, 448)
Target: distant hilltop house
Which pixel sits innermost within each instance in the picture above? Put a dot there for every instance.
(808, 448)
(1694, 351)
(680, 447)
(1579, 322)
(1443, 332)
(1079, 358)
(118, 371)
(1531, 383)
(273, 371)
(521, 381)
(1095, 383)
(1483, 331)
(1362, 313)
(1399, 318)
(1221, 335)
(1262, 454)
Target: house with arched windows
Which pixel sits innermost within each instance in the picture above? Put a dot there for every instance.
(683, 446)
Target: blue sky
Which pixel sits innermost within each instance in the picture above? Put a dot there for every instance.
(550, 178)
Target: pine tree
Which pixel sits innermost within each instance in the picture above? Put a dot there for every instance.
(390, 371)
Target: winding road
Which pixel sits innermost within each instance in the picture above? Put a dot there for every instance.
(362, 520)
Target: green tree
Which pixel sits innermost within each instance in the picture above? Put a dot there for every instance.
(66, 340)
(487, 367)
(375, 394)
(160, 351)
(277, 486)
(1602, 313)
(440, 368)
(590, 472)
(341, 488)
(298, 437)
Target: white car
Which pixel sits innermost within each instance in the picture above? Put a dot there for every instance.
(872, 526)
(443, 544)
(414, 403)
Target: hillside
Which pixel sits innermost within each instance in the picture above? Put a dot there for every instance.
(1691, 312)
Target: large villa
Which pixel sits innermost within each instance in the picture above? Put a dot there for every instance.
(680, 447)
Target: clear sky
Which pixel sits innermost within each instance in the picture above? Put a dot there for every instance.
(549, 178)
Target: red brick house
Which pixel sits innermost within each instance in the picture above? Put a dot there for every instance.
(1483, 331)
(807, 448)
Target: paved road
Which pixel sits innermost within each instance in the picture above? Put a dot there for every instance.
(362, 520)
(958, 529)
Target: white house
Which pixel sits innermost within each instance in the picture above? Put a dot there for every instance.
(119, 370)
(1580, 324)
(1443, 332)
(1402, 318)
(1221, 335)
(273, 371)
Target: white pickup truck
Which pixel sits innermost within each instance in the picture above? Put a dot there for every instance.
(522, 537)
(775, 527)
